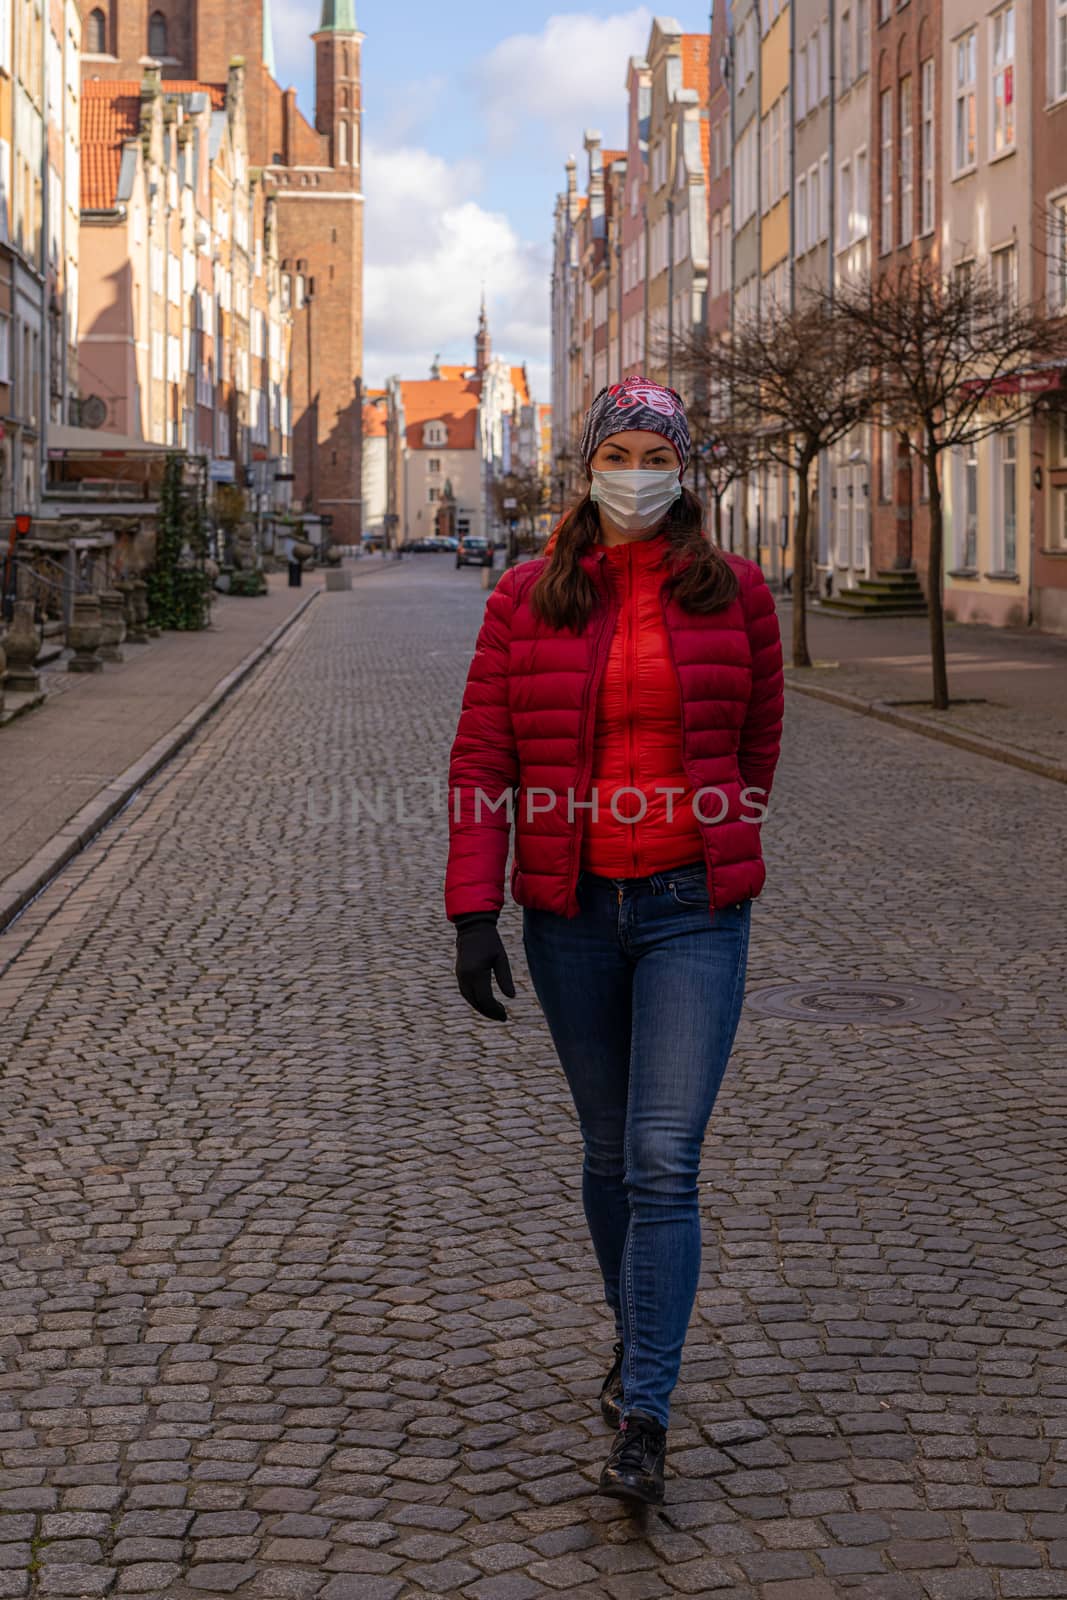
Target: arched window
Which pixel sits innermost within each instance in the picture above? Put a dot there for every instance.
(157, 35)
(342, 144)
(96, 33)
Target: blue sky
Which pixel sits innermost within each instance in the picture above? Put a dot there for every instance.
(469, 114)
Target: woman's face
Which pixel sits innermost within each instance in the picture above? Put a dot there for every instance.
(623, 452)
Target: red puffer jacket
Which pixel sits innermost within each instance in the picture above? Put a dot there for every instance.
(524, 744)
(643, 820)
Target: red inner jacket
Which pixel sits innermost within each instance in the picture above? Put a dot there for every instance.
(637, 746)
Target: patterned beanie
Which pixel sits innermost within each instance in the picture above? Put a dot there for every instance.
(636, 403)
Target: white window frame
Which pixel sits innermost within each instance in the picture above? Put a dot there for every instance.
(887, 235)
(907, 160)
(1002, 121)
(861, 193)
(1058, 51)
(964, 103)
(845, 215)
(1005, 552)
(845, 64)
(926, 148)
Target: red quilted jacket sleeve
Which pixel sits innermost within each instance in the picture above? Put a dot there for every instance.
(483, 767)
(761, 733)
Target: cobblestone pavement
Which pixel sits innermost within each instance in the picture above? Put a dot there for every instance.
(297, 1296)
(1006, 684)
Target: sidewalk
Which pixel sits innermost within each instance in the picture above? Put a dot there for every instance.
(62, 762)
(1008, 686)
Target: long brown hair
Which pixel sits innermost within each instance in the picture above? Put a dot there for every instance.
(564, 594)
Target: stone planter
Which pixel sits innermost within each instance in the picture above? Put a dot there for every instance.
(22, 644)
(113, 624)
(84, 634)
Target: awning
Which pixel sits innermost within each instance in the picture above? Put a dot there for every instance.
(63, 440)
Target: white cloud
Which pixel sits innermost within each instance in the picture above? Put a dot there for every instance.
(429, 248)
(569, 77)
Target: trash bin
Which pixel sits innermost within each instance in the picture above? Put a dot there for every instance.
(296, 573)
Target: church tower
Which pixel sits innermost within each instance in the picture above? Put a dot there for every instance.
(337, 82)
(482, 346)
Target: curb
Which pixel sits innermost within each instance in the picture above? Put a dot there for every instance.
(974, 742)
(22, 886)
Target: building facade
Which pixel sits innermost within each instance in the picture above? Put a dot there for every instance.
(313, 172)
(184, 337)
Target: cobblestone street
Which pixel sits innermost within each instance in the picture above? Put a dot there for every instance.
(298, 1299)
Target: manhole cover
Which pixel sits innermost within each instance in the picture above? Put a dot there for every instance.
(872, 1002)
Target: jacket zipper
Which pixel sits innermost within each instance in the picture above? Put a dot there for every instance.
(592, 683)
(631, 698)
(690, 774)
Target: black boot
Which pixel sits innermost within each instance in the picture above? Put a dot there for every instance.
(634, 1468)
(611, 1390)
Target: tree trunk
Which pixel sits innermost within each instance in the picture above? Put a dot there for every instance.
(934, 582)
(801, 658)
(718, 518)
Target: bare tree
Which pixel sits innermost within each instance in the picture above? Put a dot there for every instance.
(955, 359)
(724, 450)
(795, 389)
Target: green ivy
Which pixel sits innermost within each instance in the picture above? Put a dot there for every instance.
(178, 587)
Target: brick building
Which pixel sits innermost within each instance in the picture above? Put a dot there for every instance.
(315, 174)
(1045, 279)
(906, 209)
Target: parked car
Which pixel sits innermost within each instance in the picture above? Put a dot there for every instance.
(474, 553)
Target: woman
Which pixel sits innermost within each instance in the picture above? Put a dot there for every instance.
(624, 704)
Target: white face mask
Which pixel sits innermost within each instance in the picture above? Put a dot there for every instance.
(636, 499)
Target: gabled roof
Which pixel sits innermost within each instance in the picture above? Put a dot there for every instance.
(696, 58)
(520, 386)
(449, 400)
(110, 115)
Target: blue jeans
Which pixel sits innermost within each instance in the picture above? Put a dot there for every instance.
(642, 994)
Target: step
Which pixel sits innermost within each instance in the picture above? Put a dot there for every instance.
(875, 605)
(899, 591)
(902, 577)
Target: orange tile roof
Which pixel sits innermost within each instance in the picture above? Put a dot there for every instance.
(375, 424)
(455, 374)
(449, 400)
(519, 384)
(695, 64)
(110, 114)
(216, 92)
(613, 155)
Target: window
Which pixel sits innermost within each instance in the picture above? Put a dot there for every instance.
(861, 196)
(883, 11)
(966, 518)
(863, 37)
(157, 35)
(1004, 80)
(846, 49)
(907, 178)
(802, 215)
(965, 124)
(824, 60)
(716, 255)
(5, 348)
(1059, 86)
(885, 105)
(1057, 289)
(1005, 525)
(1005, 276)
(824, 196)
(802, 88)
(342, 144)
(844, 205)
(96, 33)
(926, 151)
(887, 455)
(813, 69)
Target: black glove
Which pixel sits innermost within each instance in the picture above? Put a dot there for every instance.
(480, 956)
